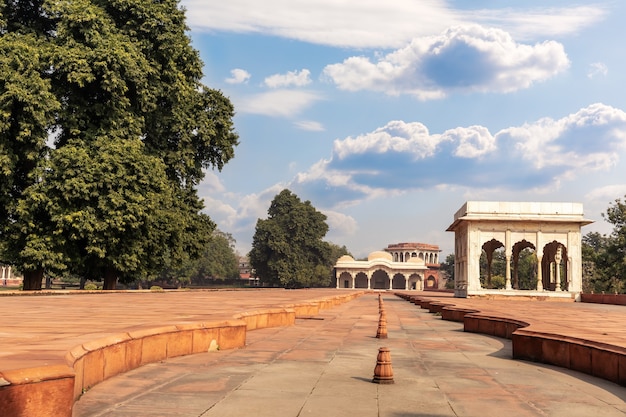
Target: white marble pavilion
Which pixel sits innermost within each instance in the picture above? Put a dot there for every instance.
(552, 230)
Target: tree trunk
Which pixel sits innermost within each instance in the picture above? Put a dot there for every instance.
(110, 279)
(32, 280)
(83, 280)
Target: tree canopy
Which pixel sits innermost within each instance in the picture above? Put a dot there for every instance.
(604, 256)
(287, 247)
(106, 129)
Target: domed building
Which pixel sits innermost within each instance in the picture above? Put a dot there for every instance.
(415, 269)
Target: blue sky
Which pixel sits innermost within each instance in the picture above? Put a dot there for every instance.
(388, 116)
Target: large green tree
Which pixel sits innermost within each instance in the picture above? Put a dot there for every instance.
(85, 72)
(287, 247)
(594, 262)
(219, 260)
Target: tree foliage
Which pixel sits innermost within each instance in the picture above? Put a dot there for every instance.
(219, 260)
(447, 267)
(604, 256)
(116, 83)
(287, 247)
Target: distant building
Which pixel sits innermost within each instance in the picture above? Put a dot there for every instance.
(403, 252)
(8, 277)
(246, 272)
(402, 266)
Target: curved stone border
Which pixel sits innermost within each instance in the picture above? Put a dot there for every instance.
(50, 391)
(615, 299)
(599, 359)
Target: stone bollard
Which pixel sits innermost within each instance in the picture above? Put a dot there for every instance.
(381, 333)
(383, 372)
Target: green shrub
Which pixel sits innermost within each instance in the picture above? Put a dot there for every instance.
(90, 286)
(156, 288)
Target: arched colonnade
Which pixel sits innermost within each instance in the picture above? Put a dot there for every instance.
(552, 230)
(381, 272)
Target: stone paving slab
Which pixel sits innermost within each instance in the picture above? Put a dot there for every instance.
(38, 330)
(324, 367)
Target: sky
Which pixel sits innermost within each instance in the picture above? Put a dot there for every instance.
(389, 116)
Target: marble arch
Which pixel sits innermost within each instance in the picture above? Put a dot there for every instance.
(552, 230)
(380, 271)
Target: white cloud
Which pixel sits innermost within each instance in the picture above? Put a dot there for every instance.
(281, 103)
(376, 24)
(589, 139)
(463, 58)
(340, 223)
(291, 78)
(238, 76)
(397, 136)
(608, 193)
(310, 125)
(211, 183)
(543, 22)
(220, 210)
(474, 141)
(597, 69)
(401, 157)
(370, 23)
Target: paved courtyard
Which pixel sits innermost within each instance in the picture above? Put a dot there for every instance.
(38, 330)
(323, 366)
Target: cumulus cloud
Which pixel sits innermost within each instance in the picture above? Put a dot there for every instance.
(280, 103)
(340, 223)
(396, 136)
(290, 79)
(591, 138)
(238, 76)
(400, 157)
(376, 24)
(463, 58)
(474, 141)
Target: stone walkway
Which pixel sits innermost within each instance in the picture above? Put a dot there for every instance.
(323, 366)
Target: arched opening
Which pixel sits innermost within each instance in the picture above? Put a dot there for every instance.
(524, 266)
(380, 280)
(416, 283)
(492, 264)
(554, 267)
(360, 281)
(431, 283)
(345, 280)
(399, 283)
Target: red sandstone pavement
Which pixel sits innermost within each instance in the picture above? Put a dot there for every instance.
(324, 366)
(38, 330)
(598, 322)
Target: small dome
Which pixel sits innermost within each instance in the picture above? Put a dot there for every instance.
(346, 258)
(379, 255)
(416, 260)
